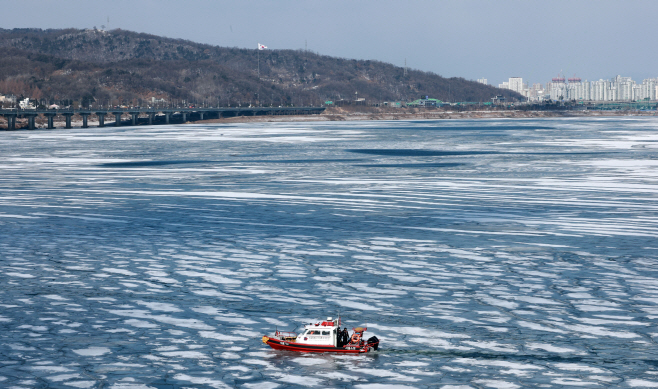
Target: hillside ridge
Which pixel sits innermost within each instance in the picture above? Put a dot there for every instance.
(125, 67)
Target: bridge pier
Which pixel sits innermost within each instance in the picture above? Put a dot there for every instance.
(133, 118)
(68, 119)
(11, 122)
(30, 120)
(201, 115)
(167, 114)
(101, 119)
(151, 117)
(84, 120)
(50, 116)
(117, 118)
(184, 117)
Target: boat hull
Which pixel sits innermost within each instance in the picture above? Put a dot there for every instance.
(278, 344)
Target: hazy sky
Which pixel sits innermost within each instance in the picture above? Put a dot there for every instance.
(467, 38)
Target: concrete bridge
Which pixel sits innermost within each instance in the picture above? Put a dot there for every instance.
(153, 115)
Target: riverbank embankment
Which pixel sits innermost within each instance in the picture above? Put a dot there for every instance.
(373, 113)
(348, 114)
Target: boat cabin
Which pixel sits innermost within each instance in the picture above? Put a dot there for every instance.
(321, 333)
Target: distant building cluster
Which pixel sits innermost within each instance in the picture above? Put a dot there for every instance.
(426, 102)
(560, 88)
(7, 99)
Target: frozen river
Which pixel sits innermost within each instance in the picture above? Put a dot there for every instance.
(482, 254)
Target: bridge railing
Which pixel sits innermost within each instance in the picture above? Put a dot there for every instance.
(145, 109)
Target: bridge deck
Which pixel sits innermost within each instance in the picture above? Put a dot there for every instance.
(153, 113)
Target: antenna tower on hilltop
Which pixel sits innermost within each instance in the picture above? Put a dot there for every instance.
(405, 67)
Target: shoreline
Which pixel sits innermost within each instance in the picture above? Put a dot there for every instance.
(427, 115)
(335, 114)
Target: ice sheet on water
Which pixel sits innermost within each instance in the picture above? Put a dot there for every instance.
(185, 354)
(118, 271)
(640, 383)
(262, 385)
(127, 385)
(525, 247)
(310, 361)
(81, 384)
(140, 323)
(92, 351)
(494, 346)
(50, 368)
(551, 348)
(214, 278)
(63, 377)
(220, 336)
(383, 386)
(357, 305)
(497, 384)
(165, 307)
(180, 322)
(300, 381)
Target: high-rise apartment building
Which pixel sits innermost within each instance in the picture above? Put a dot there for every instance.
(516, 84)
(578, 90)
(600, 90)
(624, 88)
(648, 89)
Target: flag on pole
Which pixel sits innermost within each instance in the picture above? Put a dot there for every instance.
(261, 47)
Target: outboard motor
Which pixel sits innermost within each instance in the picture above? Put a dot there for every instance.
(373, 342)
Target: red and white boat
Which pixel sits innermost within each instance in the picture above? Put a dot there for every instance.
(323, 337)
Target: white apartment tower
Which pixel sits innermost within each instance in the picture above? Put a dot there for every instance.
(624, 88)
(578, 91)
(516, 84)
(600, 90)
(648, 89)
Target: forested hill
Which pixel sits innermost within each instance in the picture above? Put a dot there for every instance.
(125, 67)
